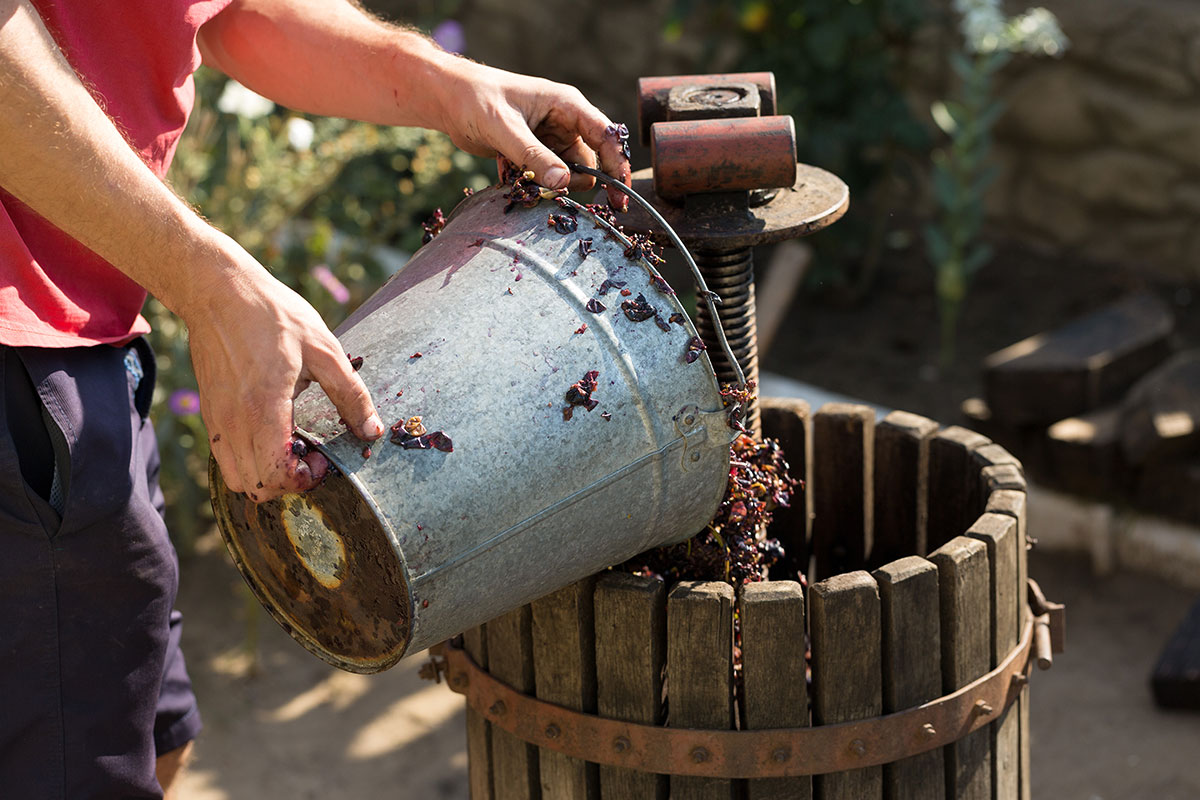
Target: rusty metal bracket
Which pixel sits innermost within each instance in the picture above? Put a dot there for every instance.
(1050, 626)
(783, 752)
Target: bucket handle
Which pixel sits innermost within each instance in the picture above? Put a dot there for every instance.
(711, 298)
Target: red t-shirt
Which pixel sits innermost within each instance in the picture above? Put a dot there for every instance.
(138, 57)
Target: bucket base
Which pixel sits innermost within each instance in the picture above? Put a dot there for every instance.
(324, 567)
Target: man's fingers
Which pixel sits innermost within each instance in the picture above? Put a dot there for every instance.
(520, 146)
(348, 393)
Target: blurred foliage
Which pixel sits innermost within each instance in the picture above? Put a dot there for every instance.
(840, 69)
(298, 193)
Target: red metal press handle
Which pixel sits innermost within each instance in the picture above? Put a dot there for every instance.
(723, 155)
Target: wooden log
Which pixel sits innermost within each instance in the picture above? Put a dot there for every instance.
(510, 659)
(901, 486)
(479, 730)
(912, 668)
(790, 421)
(1160, 416)
(631, 640)
(844, 624)
(952, 478)
(999, 534)
(564, 670)
(1012, 504)
(964, 590)
(1079, 367)
(700, 672)
(775, 691)
(1083, 456)
(843, 483)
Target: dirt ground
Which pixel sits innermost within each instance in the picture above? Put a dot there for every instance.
(285, 725)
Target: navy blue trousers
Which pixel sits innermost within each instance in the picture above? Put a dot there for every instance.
(93, 684)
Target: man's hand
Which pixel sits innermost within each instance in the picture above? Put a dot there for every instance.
(255, 345)
(534, 123)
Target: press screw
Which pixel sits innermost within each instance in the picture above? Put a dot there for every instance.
(695, 456)
(620, 744)
(497, 708)
(858, 747)
(929, 730)
(781, 754)
(552, 731)
(700, 755)
(983, 708)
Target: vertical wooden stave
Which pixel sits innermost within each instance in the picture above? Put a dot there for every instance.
(790, 421)
(844, 624)
(983, 459)
(912, 669)
(952, 482)
(775, 692)
(700, 672)
(1012, 503)
(564, 669)
(964, 589)
(631, 640)
(998, 532)
(901, 486)
(843, 483)
(479, 730)
(510, 659)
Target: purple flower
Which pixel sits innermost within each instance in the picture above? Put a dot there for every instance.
(449, 35)
(184, 402)
(331, 283)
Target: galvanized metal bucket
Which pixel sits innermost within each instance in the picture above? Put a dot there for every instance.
(482, 334)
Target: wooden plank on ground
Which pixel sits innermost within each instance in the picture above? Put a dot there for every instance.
(843, 483)
(912, 668)
(479, 730)
(789, 420)
(847, 674)
(952, 479)
(510, 659)
(1080, 366)
(999, 533)
(700, 672)
(564, 670)
(775, 692)
(1083, 456)
(901, 485)
(631, 641)
(964, 589)
(1012, 503)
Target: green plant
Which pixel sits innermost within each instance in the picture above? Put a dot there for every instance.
(840, 68)
(314, 200)
(961, 169)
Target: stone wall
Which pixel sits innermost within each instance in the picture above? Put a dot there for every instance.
(1100, 150)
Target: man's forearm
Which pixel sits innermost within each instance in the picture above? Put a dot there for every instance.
(62, 156)
(327, 57)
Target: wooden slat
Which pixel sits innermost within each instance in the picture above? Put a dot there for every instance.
(631, 640)
(984, 458)
(479, 730)
(1012, 503)
(510, 659)
(843, 483)
(845, 627)
(901, 485)
(775, 692)
(700, 672)
(790, 421)
(1002, 476)
(952, 479)
(999, 533)
(564, 669)
(964, 589)
(912, 668)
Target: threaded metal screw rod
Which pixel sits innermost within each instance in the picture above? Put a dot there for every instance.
(730, 273)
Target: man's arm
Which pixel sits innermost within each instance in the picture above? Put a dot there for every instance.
(254, 342)
(328, 57)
